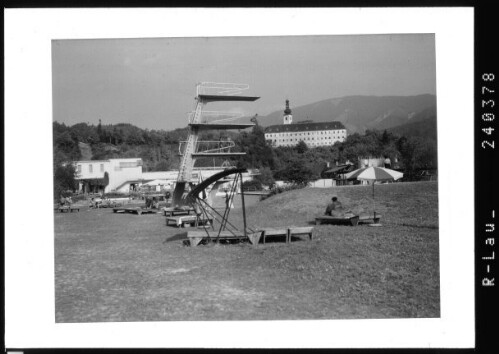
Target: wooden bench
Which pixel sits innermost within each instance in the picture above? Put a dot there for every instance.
(136, 210)
(181, 221)
(287, 232)
(174, 211)
(68, 209)
(325, 219)
(195, 237)
(300, 231)
(274, 233)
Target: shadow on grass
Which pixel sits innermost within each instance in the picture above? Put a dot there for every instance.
(177, 237)
(420, 226)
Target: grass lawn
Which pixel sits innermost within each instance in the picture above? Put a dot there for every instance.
(125, 267)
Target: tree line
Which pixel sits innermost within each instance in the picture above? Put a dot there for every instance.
(158, 150)
(301, 164)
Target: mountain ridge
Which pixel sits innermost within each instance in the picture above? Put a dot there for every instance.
(359, 113)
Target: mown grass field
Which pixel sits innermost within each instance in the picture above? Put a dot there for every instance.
(124, 267)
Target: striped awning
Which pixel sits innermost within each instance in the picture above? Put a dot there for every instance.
(374, 174)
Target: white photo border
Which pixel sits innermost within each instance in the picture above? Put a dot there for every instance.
(29, 235)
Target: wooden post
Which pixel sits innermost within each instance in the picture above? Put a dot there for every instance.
(244, 208)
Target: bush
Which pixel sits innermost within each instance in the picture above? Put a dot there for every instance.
(276, 190)
(253, 185)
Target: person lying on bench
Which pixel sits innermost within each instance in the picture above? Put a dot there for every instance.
(335, 209)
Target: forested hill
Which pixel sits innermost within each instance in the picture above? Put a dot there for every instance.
(157, 148)
(413, 144)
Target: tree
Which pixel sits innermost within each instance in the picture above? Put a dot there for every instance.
(297, 173)
(301, 147)
(265, 177)
(64, 179)
(258, 153)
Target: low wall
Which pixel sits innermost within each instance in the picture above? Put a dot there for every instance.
(323, 183)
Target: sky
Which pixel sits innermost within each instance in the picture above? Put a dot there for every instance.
(151, 83)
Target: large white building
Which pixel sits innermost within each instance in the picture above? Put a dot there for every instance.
(108, 175)
(312, 133)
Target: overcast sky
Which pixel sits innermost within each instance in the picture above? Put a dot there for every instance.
(151, 82)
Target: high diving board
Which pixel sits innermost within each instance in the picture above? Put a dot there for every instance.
(213, 98)
(209, 126)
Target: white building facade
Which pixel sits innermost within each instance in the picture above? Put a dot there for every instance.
(125, 175)
(103, 176)
(311, 133)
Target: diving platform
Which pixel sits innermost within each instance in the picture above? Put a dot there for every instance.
(222, 126)
(214, 98)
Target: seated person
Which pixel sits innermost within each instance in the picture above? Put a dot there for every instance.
(335, 209)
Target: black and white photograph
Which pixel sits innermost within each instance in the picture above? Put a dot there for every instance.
(244, 181)
(310, 193)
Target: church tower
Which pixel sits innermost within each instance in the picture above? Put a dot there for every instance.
(288, 118)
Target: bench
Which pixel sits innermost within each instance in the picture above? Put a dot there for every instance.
(68, 209)
(195, 237)
(173, 211)
(325, 219)
(273, 233)
(137, 210)
(287, 232)
(181, 221)
(300, 231)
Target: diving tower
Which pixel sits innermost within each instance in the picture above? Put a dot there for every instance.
(201, 120)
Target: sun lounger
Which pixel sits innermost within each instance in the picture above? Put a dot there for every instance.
(68, 209)
(137, 210)
(195, 237)
(182, 221)
(335, 220)
(177, 211)
(369, 219)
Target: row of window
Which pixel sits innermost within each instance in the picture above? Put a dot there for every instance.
(331, 132)
(90, 168)
(298, 139)
(308, 143)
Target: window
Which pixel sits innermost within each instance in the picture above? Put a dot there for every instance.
(102, 167)
(79, 168)
(90, 168)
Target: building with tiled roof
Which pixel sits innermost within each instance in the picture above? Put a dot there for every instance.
(312, 133)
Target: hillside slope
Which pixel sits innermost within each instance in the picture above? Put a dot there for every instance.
(359, 113)
(423, 125)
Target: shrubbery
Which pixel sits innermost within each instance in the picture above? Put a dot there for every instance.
(253, 185)
(286, 188)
